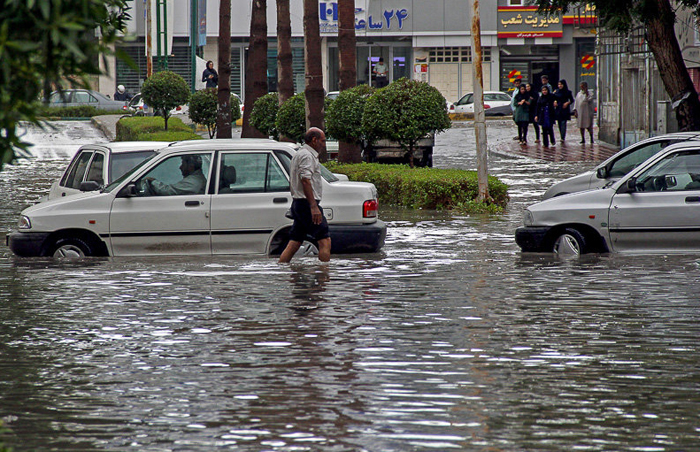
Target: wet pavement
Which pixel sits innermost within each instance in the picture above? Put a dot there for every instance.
(449, 339)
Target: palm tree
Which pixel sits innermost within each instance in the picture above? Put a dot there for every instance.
(347, 152)
(314, 71)
(223, 116)
(256, 67)
(285, 77)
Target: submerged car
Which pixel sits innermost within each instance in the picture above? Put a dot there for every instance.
(618, 165)
(100, 164)
(213, 197)
(655, 208)
(81, 97)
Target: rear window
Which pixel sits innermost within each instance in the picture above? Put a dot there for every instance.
(121, 163)
(286, 160)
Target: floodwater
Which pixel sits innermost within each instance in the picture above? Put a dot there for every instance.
(449, 339)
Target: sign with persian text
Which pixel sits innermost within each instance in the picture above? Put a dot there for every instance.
(525, 22)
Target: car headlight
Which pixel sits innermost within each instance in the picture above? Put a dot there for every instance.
(24, 222)
(528, 218)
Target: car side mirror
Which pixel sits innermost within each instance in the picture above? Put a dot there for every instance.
(602, 172)
(89, 185)
(628, 187)
(128, 192)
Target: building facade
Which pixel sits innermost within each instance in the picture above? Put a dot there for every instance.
(424, 40)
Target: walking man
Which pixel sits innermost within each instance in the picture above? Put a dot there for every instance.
(305, 185)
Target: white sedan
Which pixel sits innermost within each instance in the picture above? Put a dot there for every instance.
(197, 198)
(653, 209)
(491, 99)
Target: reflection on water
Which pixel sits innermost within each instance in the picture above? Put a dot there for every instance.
(450, 339)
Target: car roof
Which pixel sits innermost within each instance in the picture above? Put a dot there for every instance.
(119, 147)
(228, 144)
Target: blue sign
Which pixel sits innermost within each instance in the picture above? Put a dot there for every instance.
(388, 20)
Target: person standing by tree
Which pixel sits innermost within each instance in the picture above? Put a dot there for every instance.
(545, 115)
(584, 112)
(562, 106)
(307, 189)
(210, 76)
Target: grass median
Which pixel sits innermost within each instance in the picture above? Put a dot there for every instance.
(427, 188)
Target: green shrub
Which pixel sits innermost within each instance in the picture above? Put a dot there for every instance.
(344, 115)
(264, 115)
(291, 118)
(204, 105)
(83, 111)
(144, 128)
(404, 112)
(164, 91)
(426, 188)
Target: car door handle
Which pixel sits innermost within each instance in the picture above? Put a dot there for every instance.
(279, 200)
(191, 203)
(692, 199)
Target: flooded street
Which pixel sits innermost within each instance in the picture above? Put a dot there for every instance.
(449, 339)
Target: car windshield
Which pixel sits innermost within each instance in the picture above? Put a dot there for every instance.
(286, 160)
(128, 174)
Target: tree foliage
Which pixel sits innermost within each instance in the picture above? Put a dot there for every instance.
(405, 112)
(47, 45)
(164, 91)
(264, 115)
(344, 115)
(291, 118)
(204, 109)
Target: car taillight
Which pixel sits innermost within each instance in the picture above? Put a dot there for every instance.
(486, 106)
(452, 107)
(369, 208)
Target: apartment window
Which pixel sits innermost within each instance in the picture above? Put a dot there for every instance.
(456, 54)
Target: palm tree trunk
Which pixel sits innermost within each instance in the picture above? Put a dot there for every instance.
(256, 68)
(314, 71)
(661, 37)
(223, 116)
(285, 77)
(347, 152)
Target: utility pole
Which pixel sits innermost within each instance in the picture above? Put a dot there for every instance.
(194, 40)
(479, 116)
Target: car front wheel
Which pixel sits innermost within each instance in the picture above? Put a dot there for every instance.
(71, 248)
(570, 243)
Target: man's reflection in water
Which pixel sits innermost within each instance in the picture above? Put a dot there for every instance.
(308, 286)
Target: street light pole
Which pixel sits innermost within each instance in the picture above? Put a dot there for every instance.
(194, 40)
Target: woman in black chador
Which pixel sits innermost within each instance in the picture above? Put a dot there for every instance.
(564, 99)
(546, 115)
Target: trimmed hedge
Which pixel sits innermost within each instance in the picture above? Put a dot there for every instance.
(84, 111)
(426, 188)
(152, 128)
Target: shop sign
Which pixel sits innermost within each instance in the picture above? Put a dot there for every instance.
(587, 63)
(388, 20)
(524, 22)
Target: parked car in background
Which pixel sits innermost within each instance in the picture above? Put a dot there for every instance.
(653, 209)
(100, 164)
(137, 107)
(619, 164)
(492, 99)
(234, 202)
(81, 97)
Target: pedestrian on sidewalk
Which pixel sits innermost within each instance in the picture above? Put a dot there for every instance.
(544, 78)
(522, 113)
(562, 105)
(545, 116)
(584, 112)
(533, 109)
(516, 88)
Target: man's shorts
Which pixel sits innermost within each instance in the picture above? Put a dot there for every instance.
(303, 226)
